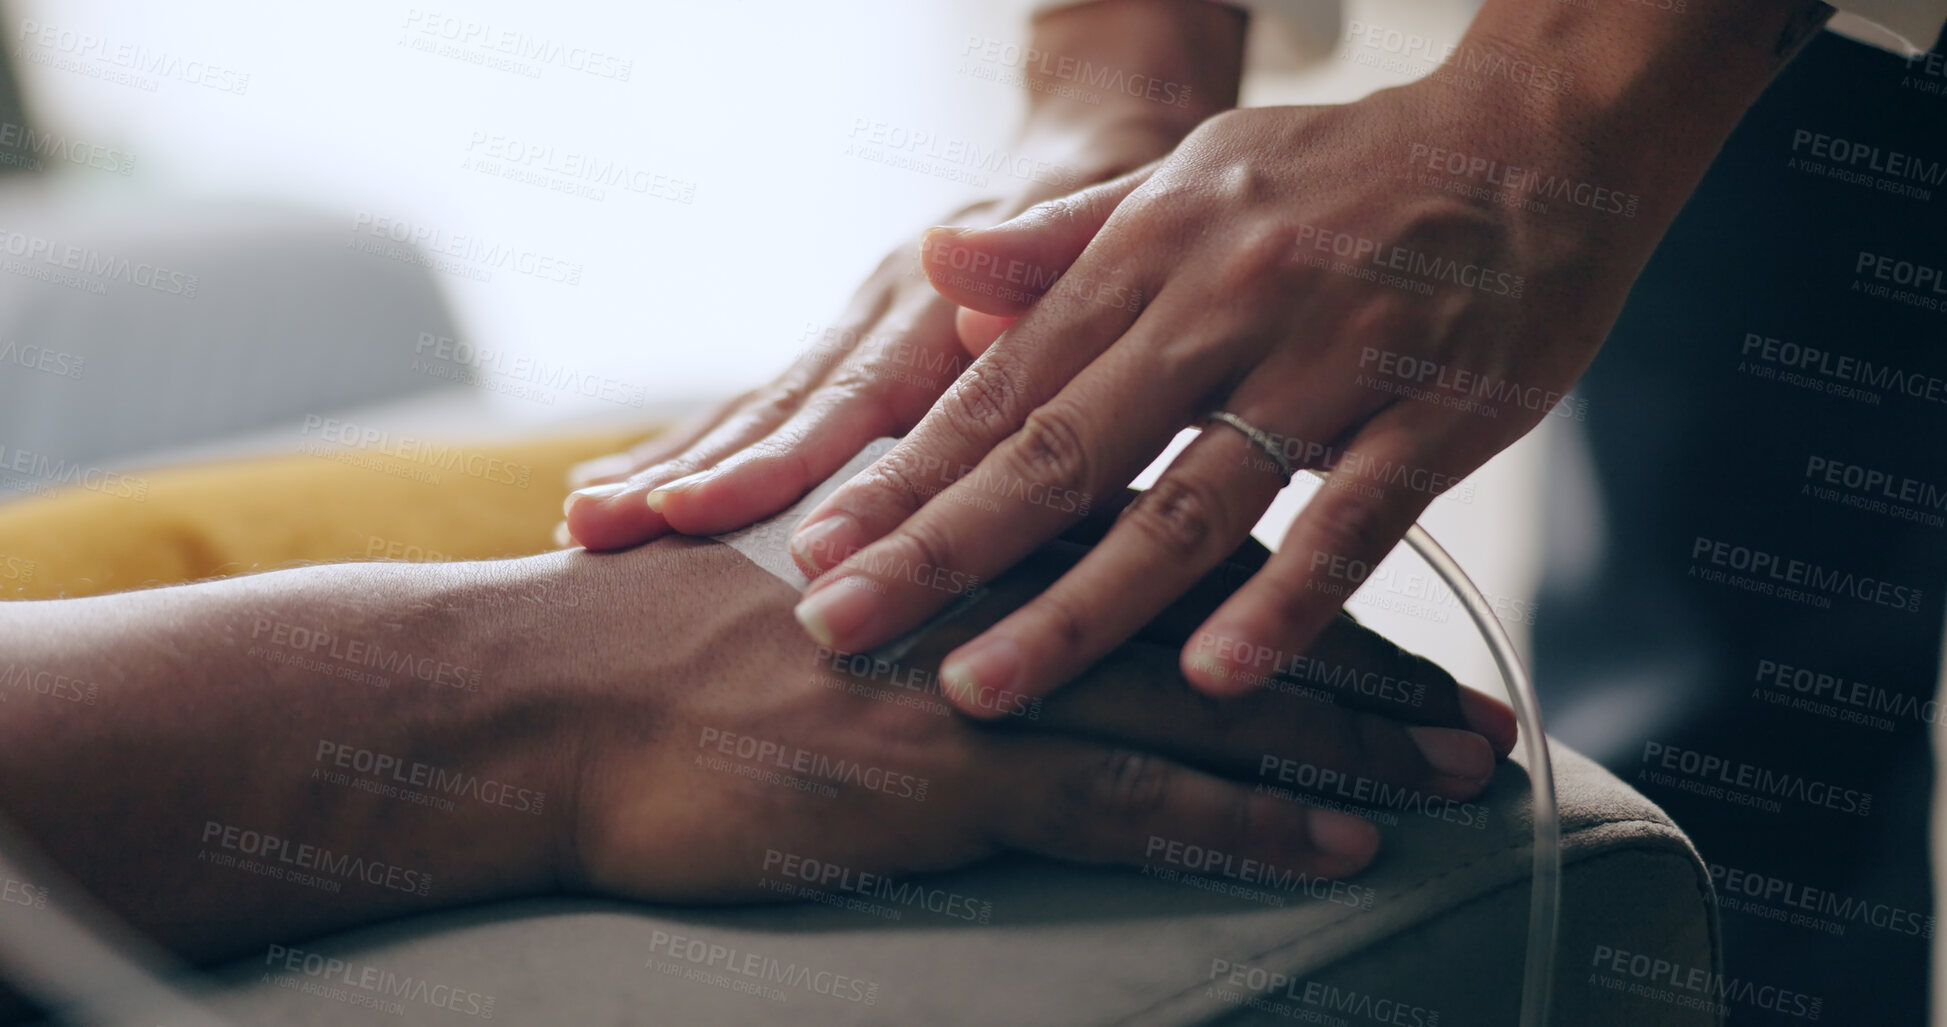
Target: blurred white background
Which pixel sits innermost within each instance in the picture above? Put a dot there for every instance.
(374, 109)
(754, 103)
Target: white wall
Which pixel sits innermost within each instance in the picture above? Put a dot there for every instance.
(753, 102)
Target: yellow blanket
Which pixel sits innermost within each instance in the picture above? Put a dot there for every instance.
(184, 524)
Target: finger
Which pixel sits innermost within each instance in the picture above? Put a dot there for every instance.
(1350, 665)
(1367, 671)
(1095, 803)
(1197, 513)
(615, 467)
(1135, 697)
(1350, 525)
(987, 404)
(977, 331)
(1350, 670)
(1177, 624)
(1033, 576)
(880, 391)
(1006, 268)
(1032, 486)
(1101, 517)
(1103, 513)
(616, 514)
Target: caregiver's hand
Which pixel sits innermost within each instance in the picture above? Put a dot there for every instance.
(1396, 288)
(1160, 67)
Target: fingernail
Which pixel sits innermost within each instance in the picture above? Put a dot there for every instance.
(662, 492)
(593, 493)
(1341, 834)
(943, 232)
(822, 545)
(1229, 672)
(992, 663)
(1453, 752)
(562, 540)
(837, 611)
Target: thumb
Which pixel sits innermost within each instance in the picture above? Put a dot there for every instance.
(1002, 270)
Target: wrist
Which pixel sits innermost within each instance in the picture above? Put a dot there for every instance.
(597, 657)
(513, 625)
(1643, 92)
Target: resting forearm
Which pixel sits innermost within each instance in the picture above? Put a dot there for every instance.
(230, 721)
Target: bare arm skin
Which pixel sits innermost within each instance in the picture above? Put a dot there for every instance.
(645, 724)
(210, 707)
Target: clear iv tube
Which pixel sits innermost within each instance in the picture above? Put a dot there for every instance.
(1544, 907)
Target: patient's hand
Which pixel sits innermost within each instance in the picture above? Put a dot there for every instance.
(736, 740)
(263, 758)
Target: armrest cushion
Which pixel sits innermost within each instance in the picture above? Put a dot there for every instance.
(1444, 933)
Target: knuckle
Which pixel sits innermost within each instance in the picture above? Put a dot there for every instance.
(1056, 615)
(900, 481)
(1248, 182)
(918, 549)
(981, 402)
(784, 457)
(1049, 449)
(1350, 527)
(1061, 211)
(852, 382)
(1262, 257)
(776, 402)
(1129, 784)
(1180, 516)
(1228, 120)
(1219, 129)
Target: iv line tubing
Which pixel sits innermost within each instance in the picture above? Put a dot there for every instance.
(1544, 907)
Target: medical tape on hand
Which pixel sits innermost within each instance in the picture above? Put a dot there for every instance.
(768, 545)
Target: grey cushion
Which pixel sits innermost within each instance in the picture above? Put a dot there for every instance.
(1444, 934)
(188, 322)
